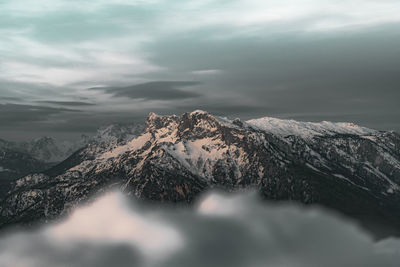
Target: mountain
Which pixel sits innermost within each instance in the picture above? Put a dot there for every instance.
(342, 166)
(49, 150)
(46, 149)
(15, 164)
(18, 159)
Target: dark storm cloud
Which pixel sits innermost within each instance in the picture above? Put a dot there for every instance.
(67, 103)
(160, 90)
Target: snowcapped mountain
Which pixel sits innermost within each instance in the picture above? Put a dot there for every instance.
(49, 150)
(18, 159)
(351, 169)
(15, 164)
(44, 149)
(116, 133)
(112, 136)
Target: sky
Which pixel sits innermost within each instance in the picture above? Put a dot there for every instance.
(68, 67)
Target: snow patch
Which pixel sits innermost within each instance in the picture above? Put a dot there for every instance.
(198, 111)
(132, 145)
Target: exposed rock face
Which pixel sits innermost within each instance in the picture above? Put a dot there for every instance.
(351, 169)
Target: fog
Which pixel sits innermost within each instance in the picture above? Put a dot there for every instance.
(220, 230)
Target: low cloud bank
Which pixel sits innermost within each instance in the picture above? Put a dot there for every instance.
(222, 230)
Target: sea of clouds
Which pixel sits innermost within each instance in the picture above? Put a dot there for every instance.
(221, 230)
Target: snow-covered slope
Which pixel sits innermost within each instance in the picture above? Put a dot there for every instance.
(352, 169)
(308, 129)
(117, 133)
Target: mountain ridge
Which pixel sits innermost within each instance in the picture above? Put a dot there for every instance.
(345, 167)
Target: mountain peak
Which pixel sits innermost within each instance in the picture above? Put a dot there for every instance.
(198, 111)
(152, 116)
(185, 121)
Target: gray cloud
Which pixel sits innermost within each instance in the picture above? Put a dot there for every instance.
(10, 98)
(346, 77)
(67, 103)
(222, 230)
(23, 90)
(160, 90)
(22, 122)
(323, 61)
(80, 254)
(230, 108)
(11, 114)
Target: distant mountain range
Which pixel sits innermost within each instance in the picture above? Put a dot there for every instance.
(342, 166)
(44, 149)
(18, 159)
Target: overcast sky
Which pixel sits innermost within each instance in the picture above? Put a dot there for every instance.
(69, 66)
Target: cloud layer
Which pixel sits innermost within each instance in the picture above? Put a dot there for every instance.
(223, 230)
(161, 90)
(307, 59)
